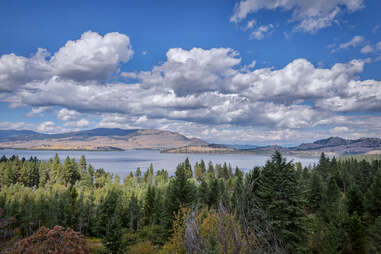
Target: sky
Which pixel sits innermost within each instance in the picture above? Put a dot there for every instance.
(235, 72)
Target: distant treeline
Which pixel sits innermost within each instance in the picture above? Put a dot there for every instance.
(282, 207)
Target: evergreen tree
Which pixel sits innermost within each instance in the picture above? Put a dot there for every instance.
(356, 235)
(374, 237)
(113, 237)
(82, 165)
(211, 169)
(188, 168)
(316, 192)
(282, 199)
(180, 193)
(198, 172)
(355, 201)
(149, 175)
(372, 198)
(56, 169)
(203, 193)
(323, 166)
(70, 172)
(214, 193)
(149, 205)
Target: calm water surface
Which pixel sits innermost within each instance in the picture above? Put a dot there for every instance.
(123, 162)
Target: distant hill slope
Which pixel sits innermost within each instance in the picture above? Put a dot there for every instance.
(332, 146)
(96, 139)
(211, 148)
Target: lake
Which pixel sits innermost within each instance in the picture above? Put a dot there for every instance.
(123, 162)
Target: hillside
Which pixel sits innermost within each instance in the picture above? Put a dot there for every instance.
(96, 139)
(211, 148)
(331, 146)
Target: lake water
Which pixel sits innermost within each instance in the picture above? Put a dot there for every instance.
(123, 162)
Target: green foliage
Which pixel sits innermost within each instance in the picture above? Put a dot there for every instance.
(282, 199)
(340, 197)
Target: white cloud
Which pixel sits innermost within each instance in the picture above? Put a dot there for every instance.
(67, 115)
(16, 71)
(16, 126)
(92, 57)
(356, 40)
(207, 86)
(310, 15)
(367, 49)
(37, 111)
(259, 33)
(199, 89)
(128, 75)
(250, 24)
(48, 127)
(78, 124)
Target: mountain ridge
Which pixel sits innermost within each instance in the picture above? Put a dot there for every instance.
(96, 139)
(332, 146)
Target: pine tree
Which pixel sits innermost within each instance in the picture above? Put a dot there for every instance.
(198, 172)
(82, 165)
(282, 199)
(316, 192)
(188, 168)
(149, 175)
(70, 172)
(214, 193)
(374, 236)
(203, 167)
(113, 237)
(372, 198)
(203, 193)
(355, 201)
(225, 171)
(323, 166)
(211, 169)
(180, 193)
(56, 169)
(356, 234)
(149, 205)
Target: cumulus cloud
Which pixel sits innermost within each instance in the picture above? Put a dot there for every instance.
(92, 57)
(16, 71)
(67, 115)
(82, 123)
(310, 15)
(356, 40)
(199, 90)
(259, 33)
(37, 111)
(208, 87)
(48, 127)
(367, 49)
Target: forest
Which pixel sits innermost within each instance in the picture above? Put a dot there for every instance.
(68, 206)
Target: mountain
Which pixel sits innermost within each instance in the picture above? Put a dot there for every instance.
(96, 139)
(208, 148)
(16, 133)
(332, 146)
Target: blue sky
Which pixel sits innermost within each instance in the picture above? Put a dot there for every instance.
(252, 71)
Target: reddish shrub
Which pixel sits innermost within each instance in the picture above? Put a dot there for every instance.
(52, 241)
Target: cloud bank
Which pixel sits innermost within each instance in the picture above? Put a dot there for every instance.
(308, 15)
(199, 92)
